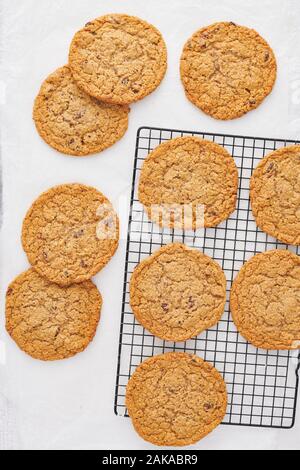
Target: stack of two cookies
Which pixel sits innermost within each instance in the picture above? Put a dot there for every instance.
(115, 60)
(53, 309)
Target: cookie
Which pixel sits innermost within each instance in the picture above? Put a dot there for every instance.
(275, 194)
(50, 322)
(227, 70)
(70, 233)
(71, 121)
(187, 178)
(178, 292)
(265, 300)
(176, 399)
(118, 58)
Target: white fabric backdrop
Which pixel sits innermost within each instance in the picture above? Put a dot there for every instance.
(69, 404)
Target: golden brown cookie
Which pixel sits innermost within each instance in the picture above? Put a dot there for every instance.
(183, 175)
(265, 300)
(275, 194)
(50, 322)
(176, 399)
(227, 70)
(71, 121)
(70, 233)
(178, 292)
(118, 58)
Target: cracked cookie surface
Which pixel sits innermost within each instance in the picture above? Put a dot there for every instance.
(227, 70)
(70, 233)
(71, 121)
(118, 58)
(176, 399)
(265, 300)
(50, 322)
(185, 175)
(177, 292)
(275, 194)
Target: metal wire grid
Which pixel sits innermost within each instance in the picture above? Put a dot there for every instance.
(262, 385)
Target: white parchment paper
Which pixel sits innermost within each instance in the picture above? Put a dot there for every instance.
(69, 404)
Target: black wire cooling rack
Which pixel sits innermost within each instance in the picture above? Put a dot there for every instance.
(262, 385)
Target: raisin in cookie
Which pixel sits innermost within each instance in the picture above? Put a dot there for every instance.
(188, 182)
(70, 233)
(50, 322)
(178, 292)
(227, 70)
(176, 399)
(275, 194)
(118, 58)
(71, 121)
(265, 300)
